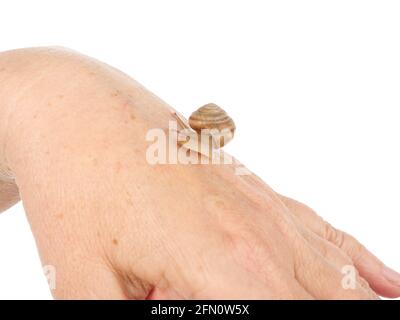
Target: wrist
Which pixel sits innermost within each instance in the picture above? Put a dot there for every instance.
(41, 98)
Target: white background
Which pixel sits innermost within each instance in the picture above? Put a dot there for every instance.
(312, 85)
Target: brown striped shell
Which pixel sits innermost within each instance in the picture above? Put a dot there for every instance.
(212, 119)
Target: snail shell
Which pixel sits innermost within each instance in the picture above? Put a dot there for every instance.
(211, 119)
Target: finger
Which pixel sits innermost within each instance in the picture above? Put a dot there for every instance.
(333, 255)
(324, 281)
(326, 249)
(382, 279)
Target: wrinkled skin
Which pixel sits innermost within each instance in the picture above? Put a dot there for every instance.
(72, 138)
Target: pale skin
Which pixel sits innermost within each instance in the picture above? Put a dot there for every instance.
(72, 147)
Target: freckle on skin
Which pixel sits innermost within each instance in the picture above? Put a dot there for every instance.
(60, 216)
(133, 117)
(61, 96)
(115, 242)
(115, 93)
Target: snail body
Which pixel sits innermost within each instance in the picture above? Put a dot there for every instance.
(209, 128)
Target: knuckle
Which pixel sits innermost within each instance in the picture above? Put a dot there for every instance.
(334, 235)
(344, 241)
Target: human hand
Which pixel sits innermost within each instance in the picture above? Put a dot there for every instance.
(115, 226)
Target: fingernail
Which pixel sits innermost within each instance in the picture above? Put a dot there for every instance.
(391, 275)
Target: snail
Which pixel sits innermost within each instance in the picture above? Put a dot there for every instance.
(208, 128)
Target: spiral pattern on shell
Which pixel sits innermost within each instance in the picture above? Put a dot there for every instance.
(215, 119)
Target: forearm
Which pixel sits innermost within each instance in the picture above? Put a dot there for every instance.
(73, 136)
(57, 99)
